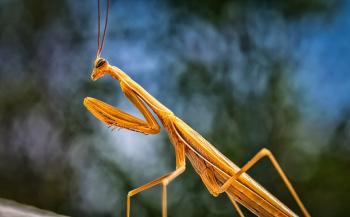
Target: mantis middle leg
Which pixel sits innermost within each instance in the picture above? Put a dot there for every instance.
(163, 180)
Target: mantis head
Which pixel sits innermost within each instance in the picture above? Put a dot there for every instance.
(100, 68)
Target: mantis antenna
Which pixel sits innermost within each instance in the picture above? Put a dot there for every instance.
(99, 41)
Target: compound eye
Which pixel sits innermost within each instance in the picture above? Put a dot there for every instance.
(100, 63)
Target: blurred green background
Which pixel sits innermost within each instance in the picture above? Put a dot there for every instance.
(245, 74)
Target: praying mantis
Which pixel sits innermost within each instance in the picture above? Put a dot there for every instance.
(217, 172)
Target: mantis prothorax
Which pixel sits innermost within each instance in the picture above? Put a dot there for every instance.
(217, 172)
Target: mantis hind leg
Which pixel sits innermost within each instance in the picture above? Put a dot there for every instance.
(261, 154)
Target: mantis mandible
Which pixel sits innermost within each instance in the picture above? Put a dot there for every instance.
(217, 172)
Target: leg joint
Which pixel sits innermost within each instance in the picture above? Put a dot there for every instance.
(165, 182)
(265, 151)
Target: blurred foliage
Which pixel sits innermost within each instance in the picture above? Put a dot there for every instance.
(240, 98)
(219, 11)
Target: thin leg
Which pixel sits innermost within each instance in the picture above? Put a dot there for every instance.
(266, 153)
(142, 188)
(164, 201)
(164, 180)
(235, 204)
(165, 183)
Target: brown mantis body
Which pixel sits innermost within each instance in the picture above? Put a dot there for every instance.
(218, 173)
